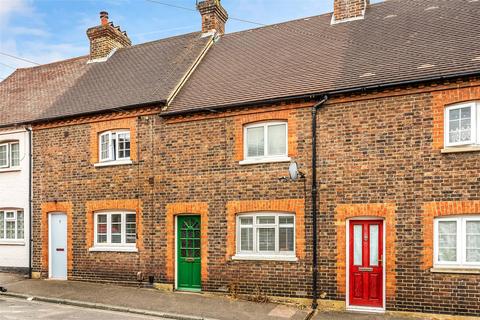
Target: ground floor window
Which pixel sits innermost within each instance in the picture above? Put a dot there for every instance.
(11, 225)
(266, 234)
(457, 241)
(115, 229)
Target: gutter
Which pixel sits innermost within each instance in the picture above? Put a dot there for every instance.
(320, 95)
(315, 109)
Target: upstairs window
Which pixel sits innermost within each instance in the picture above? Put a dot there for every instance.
(461, 122)
(266, 234)
(114, 146)
(267, 140)
(115, 229)
(9, 155)
(11, 225)
(457, 242)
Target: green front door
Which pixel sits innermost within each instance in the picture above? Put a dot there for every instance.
(188, 253)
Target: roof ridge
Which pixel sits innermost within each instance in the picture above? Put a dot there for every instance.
(54, 62)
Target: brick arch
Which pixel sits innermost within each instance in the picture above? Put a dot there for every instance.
(432, 210)
(385, 211)
(296, 206)
(191, 208)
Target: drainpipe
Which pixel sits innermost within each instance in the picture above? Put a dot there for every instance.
(315, 109)
(30, 200)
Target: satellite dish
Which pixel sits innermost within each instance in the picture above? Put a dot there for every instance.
(293, 171)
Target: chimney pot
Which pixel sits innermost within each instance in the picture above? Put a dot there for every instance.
(347, 10)
(214, 16)
(104, 18)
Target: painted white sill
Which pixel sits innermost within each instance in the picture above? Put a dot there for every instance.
(264, 258)
(113, 249)
(12, 242)
(461, 149)
(264, 160)
(455, 270)
(10, 169)
(112, 163)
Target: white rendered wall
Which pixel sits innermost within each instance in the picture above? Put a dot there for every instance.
(14, 193)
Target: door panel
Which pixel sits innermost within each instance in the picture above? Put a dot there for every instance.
(188, 253)
(58, 246)
(366, 263)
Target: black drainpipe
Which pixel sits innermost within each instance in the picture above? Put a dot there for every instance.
(30, 236)
(314, 201)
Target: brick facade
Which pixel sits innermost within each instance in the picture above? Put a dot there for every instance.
(377, 157)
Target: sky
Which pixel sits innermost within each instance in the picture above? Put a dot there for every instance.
(44, 31)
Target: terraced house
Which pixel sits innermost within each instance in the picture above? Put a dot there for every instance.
(164, 162)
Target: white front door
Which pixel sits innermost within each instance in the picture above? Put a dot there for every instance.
(58, 246)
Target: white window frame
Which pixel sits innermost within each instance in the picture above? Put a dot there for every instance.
(14, 219)
(266, 157)
(113, 153)
(255, 254)
(461, 243)
(9, 158)
(475, 114)
(109, 246)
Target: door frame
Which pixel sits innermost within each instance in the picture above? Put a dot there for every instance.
(347, 266)
(176, 250)
(50, 214)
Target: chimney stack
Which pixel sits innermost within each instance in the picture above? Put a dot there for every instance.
(214, 16)
(106, 38)
(348, 10)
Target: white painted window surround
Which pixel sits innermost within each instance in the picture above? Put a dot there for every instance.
(461, 123)
(457, 242)
(114, 148)
(265, 236)
(12, 226)
(265, 142)
(115, 231)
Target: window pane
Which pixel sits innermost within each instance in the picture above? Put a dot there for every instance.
(266, 239)
(266, 220)
(10, 229)
(15, 155)
(131, 228)
(123, 145)
(460, 125)
(277, 140)
(447, 241)
(357, 245)
(2, 228)
(246, 239)
(20, 225)
(116, 228)
(101, 228)
(255, 142)
(286, 236)
(246, 221)
(104, 146)
(373, 245)
(3, 155)
(473, 241)
(285, 220)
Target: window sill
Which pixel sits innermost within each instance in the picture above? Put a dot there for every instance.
(113, 249)
(15, 169)
(12, 242)
(455, 270)
(264, 160)
(112, 163)
(265, 258)
(461, 149)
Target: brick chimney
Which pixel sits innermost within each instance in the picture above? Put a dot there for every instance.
(105, 38)
(348, 10)
(214, 16)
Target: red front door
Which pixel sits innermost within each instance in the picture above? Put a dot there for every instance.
(366, 263)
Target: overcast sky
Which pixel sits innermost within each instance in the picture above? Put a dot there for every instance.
(49, 30)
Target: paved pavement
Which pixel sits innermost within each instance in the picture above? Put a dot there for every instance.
(359, 316)
(17, 309)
